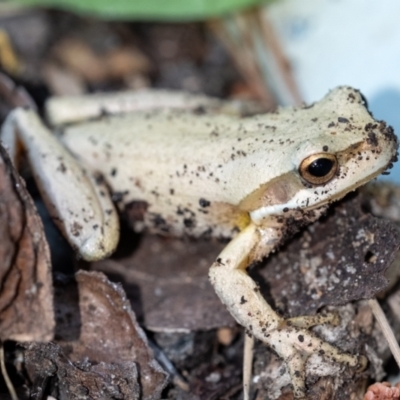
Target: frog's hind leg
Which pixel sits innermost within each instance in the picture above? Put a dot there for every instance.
(78, 203)
(288, 338)
(66, 110)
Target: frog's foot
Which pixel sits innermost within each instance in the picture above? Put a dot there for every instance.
(295, 345)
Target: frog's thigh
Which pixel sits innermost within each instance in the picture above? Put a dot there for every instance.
(241, 295)
(63, 110)
(80, 206)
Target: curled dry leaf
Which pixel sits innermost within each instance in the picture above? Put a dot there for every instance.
(104, 330)
(26, 298)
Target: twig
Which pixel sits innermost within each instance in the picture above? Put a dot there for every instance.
(386, 329)
(247, 364)
(177, 378)
(7, 379)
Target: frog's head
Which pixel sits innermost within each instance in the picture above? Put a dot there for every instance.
(344, 147)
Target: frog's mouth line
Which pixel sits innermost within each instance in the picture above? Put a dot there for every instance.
(282, 208)
(343, 193)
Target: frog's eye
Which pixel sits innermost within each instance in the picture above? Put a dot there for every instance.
(319, 168)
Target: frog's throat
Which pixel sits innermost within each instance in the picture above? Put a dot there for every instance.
(280, 209)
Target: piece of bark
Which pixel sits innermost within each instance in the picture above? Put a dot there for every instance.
(26, 297)
(341, 258)
(76, 381)
(103, 328)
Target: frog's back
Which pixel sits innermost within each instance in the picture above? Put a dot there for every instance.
(181, 172)
(175, 170)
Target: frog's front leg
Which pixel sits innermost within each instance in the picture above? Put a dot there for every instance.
(78, 203)
(289, 338)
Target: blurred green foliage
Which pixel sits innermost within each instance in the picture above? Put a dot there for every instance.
(172, 10)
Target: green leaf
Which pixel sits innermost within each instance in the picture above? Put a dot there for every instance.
(182, 10)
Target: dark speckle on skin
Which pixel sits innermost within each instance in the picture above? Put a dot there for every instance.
(113, 172)
(119, 196)
(62, 168)
(160, 223)
(76, 229)
(372, 139)
(99, 179)
(204, 203)
(189, 222)
(342, 120)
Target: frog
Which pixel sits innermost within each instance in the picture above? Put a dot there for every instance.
(206, 171)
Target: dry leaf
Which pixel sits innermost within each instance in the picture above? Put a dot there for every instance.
(26, 298)
(167, 282)
(102, 328)
(80, 380)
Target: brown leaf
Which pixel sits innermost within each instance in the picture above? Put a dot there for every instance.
(26, 298)
(167, 281)
(104, 329)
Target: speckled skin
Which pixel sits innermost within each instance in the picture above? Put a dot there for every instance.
(181, 172)
(199, 174)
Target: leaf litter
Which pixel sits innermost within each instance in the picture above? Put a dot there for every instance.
(98, 349)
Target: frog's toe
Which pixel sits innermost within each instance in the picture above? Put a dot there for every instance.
(296, 345)
(297, 369)
(308, 321)
(362, 363)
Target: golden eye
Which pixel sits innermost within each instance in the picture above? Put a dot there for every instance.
(318, 169)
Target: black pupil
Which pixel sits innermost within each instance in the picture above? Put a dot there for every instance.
(320, 167)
